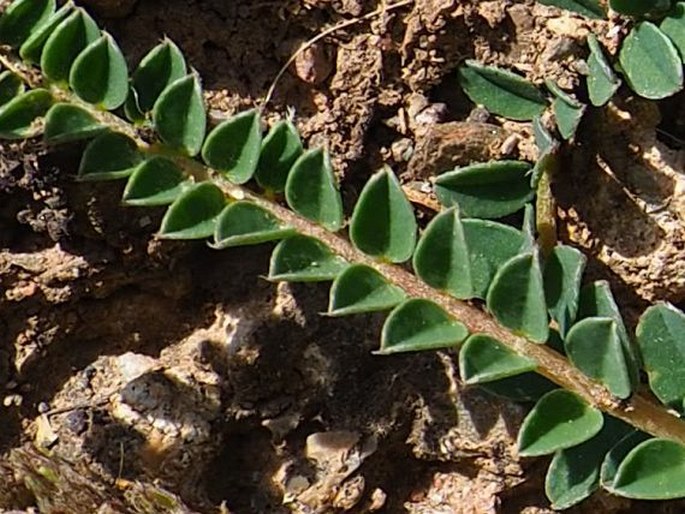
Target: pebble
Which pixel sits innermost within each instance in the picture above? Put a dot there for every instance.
(76, 421)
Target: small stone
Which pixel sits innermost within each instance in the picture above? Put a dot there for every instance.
(324, 447)
(76, 421)
(132, 365)
(43, 407)
(313, 65)
(45, 435)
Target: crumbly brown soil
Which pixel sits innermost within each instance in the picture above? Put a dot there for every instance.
(167, 377)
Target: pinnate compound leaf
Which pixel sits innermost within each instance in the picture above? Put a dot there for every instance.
(589, 8)
(517, 298)
(32, 48)
(574, 473)
(66, 122)
(559, 420)
(639, 7)
(562, 278)
(602, 82)
(613, 458)
(361, 289)
(651, 62)
(11, 86)
(461, 256)
(193, 214)
(501, 92)
(233, 146)
(68, 40)
(311, 190)
(417, 325)
(157, 181)
(304, 259)
(109, 156)
(99, 74)
(484, 359)
(17, 116)
(653, 470)
(383, 223)
(661, 337)
(179, 115)
(280, 149)
(673, 26)
(568, 111)
(23, 17)
(244, 223)
(486, 190)
(594, 346)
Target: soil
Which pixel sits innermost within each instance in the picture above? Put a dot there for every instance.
(148, 376)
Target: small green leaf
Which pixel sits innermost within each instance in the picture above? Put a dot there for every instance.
(23, 17)
(653, 470)
(573, 474)
(11, 86)
(486, 190)
(559, 420)
(673, 26)
(304, 259)
(417, 325)
(567, 110)
(157, 181)
(17, 116)
(179, 115)
(602, 82)
(66, 122)
(68, 40)
(233, 146)
(639, 7)
(109, 156)
(193, 214)
(99, 74)
(383, 223)
(501, 92)
(589, 8)
(361, 289)
(462, 256)
(526, 387)
(280, 149)
(651, 62)
(517, 298)
(244, 223)
(594, 346)
(32, 48)
(661, 337)
(485, 359)
(562, 278)
(615, 456)
(311, 190)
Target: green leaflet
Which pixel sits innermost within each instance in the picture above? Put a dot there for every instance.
(526, 387)
(99, 74)
(653, 470)
(179, 115)
(157, 181)
(486, 190)
(559, 420)
(673, 26)
(21, 18)
(517, 298)
(66, 122)
(567, 110)
(233, 146)
(661, 337)
(11, 86)
(280, 149)
(304, 259)
(639, 7)
(109, 156)
(244, 223)
(562, 278)
(361, 289)
(485, 359)
(68, 40)
(651, 62)
(311, 190)
(594, 346)
(18, 115)
(383, 223)
(462, 256)
(615, 456)
(193, 214)
(574, 473)
(32, 48)
(589, 8)
(602, 82)
(417, 325)
(162, 66)
(501, 92)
